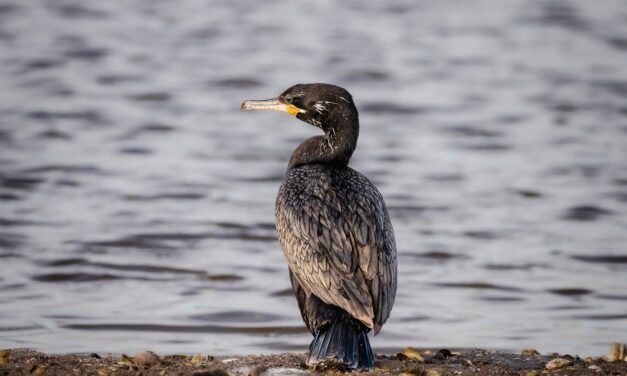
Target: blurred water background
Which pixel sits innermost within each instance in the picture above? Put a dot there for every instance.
(137, 201)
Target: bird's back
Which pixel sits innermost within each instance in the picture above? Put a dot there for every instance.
(335, 232)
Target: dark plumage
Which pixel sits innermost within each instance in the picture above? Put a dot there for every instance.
(334, 229)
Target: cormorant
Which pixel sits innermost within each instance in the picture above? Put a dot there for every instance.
(334, 229)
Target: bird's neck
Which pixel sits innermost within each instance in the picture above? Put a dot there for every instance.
(334, 148)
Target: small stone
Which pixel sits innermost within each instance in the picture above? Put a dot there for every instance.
(595, 368)
(146, 359)
(529, 352)
(410, 353)
(532, 373)
(614, 353)
(558, 363)
(102, 371)
(37, 370)
(125, 360)
(94, 355)
(446, 353)
(552, 354)
(197, 359)
(4, 356)
(433, 372)
(258, 371)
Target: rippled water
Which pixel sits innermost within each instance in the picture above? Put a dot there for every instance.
(137, 201)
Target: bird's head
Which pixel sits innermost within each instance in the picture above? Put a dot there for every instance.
(325, 106)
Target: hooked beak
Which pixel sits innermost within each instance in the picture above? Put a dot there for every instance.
(271, 104)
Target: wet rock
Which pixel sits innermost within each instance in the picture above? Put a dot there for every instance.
(258, 371)
(558, 363)
(410, 353)
(595, 368)
(94, 355)
(146, 359)
(4, 356)
(529, 352)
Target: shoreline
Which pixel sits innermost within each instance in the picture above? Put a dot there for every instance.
(409, 362)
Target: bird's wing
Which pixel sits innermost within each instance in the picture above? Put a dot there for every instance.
(340, 244)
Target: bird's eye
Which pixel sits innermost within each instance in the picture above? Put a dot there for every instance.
(289, 99)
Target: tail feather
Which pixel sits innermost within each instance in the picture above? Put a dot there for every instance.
(316, 344)
(328, 337)
(341, 342)
(366, 355)
(351, 344)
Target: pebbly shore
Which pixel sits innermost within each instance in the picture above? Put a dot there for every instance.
(410, 361)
